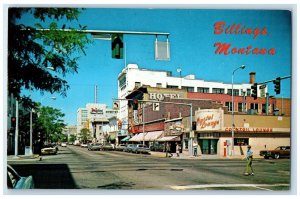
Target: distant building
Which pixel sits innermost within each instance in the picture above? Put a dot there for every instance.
(95, 118)
(70, 130)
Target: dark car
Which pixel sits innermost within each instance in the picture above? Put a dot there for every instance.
(15, 181)
(107, 147)
(279, 152)
(140, 148)
(120, 147)
(129, 147)
(94, 147)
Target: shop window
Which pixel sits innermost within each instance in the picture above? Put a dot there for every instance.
(241, 141)
(186, 143)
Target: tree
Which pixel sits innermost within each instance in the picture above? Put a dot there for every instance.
(85, 134)
(33, 49)
(72, 138)
(50, 123)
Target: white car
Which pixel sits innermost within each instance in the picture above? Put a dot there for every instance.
(84, 145)
(63, 144)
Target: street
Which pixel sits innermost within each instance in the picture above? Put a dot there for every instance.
(77, 168)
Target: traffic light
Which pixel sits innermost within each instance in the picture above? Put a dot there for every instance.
(277, 85)
(254, 91)
(13, 122)
(117, 46)
(135, 104)
(194, 125)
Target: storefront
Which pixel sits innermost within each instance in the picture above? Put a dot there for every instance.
(214, 132)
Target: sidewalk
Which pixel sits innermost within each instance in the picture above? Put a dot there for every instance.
(199, 157)
(23, 157)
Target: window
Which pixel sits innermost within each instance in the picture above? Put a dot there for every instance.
(159, 85)
(122, 82)
(240, 107)
(228, 104)
(248, 92)
(263, 108)
(218, 90)
(254, 106)
(172, 86)
(188, 89)
(241, 141)
(235, 92)
(137, 84)
(202, 90)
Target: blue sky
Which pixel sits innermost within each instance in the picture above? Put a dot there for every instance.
(192, 49)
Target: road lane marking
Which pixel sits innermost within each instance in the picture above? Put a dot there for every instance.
(202, 186)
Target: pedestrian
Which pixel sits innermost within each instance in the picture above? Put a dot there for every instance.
(169, 150)
(249, 158)
(177, 149)
(195, 147)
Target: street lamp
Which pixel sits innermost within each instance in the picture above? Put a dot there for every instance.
(232, 109)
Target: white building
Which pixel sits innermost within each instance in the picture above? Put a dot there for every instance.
(95, 118)
(133, 77)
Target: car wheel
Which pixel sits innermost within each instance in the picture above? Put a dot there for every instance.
(266, 157)
(276, 156)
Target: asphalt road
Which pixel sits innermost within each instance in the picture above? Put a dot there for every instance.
(77, 168)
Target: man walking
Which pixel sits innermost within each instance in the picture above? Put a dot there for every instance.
(249, 158)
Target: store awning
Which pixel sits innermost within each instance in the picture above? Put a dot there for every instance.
(138, 138)
(153, 136)
(125, 139)
(169, 138)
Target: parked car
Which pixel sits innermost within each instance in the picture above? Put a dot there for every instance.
(63, 144)
(94, 147)
(140, 148)
(84, 145)
(157, 147)
(49, 150)
(107, 147)
(279, 152)
(129, 147)
(15, 181)
(120, 147)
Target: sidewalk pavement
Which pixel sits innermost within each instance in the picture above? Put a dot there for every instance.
(204, 157)
(23, 157)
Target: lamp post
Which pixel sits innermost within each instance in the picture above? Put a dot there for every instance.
(232, 109)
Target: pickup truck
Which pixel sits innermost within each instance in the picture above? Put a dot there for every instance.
(279, 152)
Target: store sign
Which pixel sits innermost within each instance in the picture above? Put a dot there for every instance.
(96, 111)
(209, 119)
(161, 96)
(174, 128)
(240, 130)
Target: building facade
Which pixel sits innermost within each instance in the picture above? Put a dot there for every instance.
(133, 77)
(213, 133)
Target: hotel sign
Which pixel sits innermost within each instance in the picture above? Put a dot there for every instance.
(161, 96)
(209, 119)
